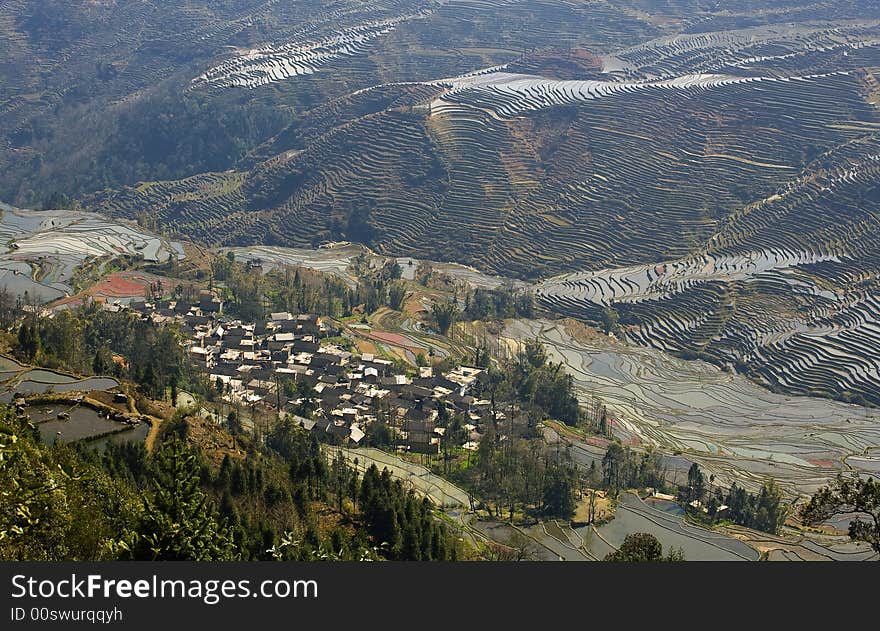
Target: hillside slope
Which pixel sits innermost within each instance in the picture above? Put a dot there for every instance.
(711, 173)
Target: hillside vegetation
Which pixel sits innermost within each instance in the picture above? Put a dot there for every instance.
(708, 174)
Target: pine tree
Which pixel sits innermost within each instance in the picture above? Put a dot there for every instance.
(179, 524)
(29, 340)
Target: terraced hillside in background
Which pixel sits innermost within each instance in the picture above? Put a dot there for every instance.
(708, 172)
(104, 94)
(785, 289)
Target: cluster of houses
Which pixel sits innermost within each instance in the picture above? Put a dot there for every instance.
(288, 363)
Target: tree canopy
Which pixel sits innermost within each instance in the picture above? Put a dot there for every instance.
(643, 547)
(856, 496)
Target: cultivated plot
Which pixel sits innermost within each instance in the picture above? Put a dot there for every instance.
(731, 426)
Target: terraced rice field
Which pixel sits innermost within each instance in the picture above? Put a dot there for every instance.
(335, 261)
(462, 273)
(666, 522)
(270, 63)
(509, 95)
(39, 381)
(44, 248)
(732, 427)
(442, 492)
(712, 174)
(527, 175)
(18, 378)
(559, 541)
(665, 279)
(798, 320)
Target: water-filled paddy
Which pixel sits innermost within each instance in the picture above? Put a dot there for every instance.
(136, 434)
(731, 426)
(665, 520)
(9, 368)
(83, 423)
(58, 241)
(337, 260)
(39, 381)
(40, 375)
(7, 364)
(333, 261)
(15, 378)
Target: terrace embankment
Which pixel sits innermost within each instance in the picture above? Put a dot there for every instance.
(71, 417)
(731, 426)
(713, 177)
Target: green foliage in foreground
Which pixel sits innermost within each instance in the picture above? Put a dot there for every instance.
(642, 547)
(849, 496)
(53, 506)
(178, 522)
(61, 503)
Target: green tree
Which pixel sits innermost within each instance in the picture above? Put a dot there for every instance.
(558, 493)
(102, 362)
(525, 304)
(642, 547)
(233, 422)
(535, 354)
(396, 295)
(613, 463)
(179, 523)
(770, 513)
(849, 496)
(610, 320)
(445, 314)
(696, 483)
(29, 340)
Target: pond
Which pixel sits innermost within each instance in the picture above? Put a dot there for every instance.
(136, 434)
(83, 423)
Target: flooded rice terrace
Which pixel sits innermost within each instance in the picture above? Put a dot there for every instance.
(731, 426)
(665, 520)
(694, 411)
(336, 260)
(44, 247)
(42, 381)
(65, 421)
(83, 424)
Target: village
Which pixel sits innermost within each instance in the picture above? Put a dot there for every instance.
(291, 366)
